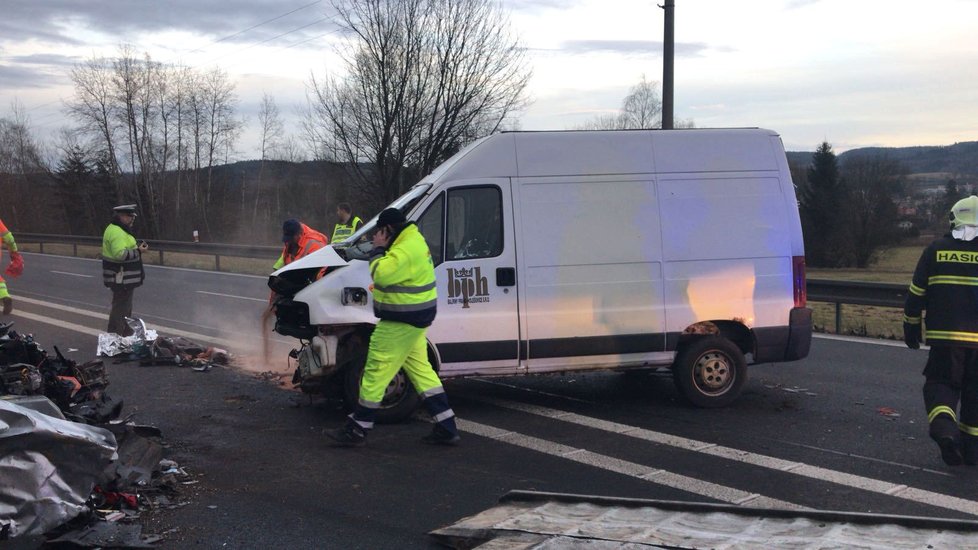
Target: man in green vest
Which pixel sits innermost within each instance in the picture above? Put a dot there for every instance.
(405, 300)
(122, 266)
(348, 223)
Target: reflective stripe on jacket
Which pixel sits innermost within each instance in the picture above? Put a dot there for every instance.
(342, 231)
(310, 241)
(945, 283)
(404, 280)
(122, 263)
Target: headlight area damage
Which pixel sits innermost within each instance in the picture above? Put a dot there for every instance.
(333, 336)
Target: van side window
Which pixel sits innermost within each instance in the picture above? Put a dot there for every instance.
(475, 227)
(430, 225)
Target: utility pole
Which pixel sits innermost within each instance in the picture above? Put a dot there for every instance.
(668, 53)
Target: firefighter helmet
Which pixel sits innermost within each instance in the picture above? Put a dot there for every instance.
(964, 212)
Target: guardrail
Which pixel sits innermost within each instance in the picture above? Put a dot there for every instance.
(856, 292)
(161, 247)
(819, 290)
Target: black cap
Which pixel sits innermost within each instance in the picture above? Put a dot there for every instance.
(290, 229)
(391, 216)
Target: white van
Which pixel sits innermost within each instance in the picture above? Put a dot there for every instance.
(581, 250)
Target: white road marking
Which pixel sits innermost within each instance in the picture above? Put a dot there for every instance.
(913, 494)
(624, 467)
(95, 315)
(233, 296)
(57, 322)
(72, 274)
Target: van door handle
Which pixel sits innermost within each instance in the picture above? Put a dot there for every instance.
(505, 276)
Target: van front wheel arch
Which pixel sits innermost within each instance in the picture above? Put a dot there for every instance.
(710, 371)
(400, 399)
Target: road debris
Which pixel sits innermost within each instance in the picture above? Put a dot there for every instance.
(72, 471)
(151, 349)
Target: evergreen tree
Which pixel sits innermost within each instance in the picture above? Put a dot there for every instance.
(822, 200)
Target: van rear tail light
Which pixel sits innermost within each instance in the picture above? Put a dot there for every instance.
(798, 280)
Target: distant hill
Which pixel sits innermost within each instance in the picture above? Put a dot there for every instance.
(960, 158)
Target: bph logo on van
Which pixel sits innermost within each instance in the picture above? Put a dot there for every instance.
(467, 286)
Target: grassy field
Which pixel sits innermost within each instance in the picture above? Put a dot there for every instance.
(895, 265)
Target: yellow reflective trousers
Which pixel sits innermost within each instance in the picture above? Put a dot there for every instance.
(393, 346)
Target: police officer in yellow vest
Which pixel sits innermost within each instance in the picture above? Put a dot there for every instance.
(122, 266)
(405, 300)
(945, 283)
(348, 223)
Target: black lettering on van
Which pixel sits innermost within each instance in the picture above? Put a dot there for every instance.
(467, 286)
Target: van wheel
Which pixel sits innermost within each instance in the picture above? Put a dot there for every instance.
(400, 399)
(710, 372)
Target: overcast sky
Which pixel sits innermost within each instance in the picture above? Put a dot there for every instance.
(853, 72)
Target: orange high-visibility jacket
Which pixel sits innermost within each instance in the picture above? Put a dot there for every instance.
(310, 241)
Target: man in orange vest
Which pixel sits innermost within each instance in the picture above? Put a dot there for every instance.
(300, 240)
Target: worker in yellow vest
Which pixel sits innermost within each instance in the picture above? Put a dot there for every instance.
(122, 266)
(15, 268)
(348, 222)
(405, 300)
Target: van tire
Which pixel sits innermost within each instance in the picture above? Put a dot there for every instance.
(710, 371)
(400, 400)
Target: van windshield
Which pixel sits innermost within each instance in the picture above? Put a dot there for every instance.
(405, 203)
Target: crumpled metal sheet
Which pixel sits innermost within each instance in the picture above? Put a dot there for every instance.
(111, 344)
(48, 467)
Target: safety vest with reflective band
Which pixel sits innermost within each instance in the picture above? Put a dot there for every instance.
(945, 283)
(404, 280)
(122, 263)
(341, 231)
(309, 241)
(8, 237)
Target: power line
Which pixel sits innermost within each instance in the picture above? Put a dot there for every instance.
(270, 39)
(255, 26)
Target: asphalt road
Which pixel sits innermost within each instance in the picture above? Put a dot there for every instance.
(841, 430)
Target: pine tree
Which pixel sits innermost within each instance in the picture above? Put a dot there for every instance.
(822, 201)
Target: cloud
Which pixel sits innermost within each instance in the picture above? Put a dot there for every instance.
(45, 59)
(18, 77)
(60, 20)
(631, 47)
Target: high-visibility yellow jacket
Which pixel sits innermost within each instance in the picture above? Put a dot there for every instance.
(404, 280)
(343, 230)
(122, 263)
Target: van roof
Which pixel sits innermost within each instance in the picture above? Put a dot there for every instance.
(608, 152)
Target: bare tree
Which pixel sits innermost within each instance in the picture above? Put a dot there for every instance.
(641, 109)
(270, 130)
(93, 107)
(423, 78)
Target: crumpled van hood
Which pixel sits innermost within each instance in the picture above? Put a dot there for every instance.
(324, 257)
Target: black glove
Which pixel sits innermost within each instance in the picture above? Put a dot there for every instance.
(911, 335)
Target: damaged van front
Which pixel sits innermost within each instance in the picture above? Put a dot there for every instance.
(324, 301)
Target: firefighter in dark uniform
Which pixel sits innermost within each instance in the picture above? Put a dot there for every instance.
(945, 283)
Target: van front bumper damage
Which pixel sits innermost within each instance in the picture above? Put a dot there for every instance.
(790, 343)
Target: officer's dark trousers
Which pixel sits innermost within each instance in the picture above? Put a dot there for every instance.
(952, 375)
(121, 308)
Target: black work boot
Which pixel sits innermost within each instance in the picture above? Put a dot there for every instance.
(950, 449)
(347, 436)
(441, 436)
(8, 305)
